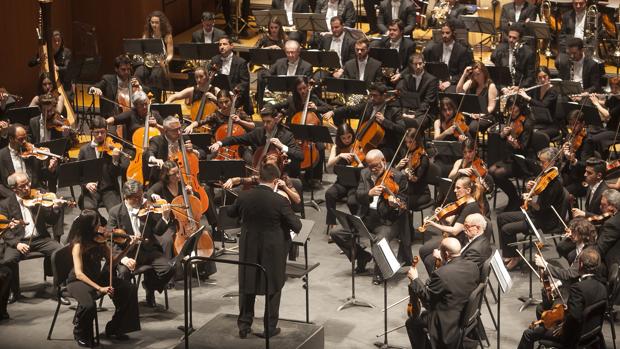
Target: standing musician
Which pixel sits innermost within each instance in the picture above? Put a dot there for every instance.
(107, 190)
(275, 37)
(342, 8)
(452, 222)
(587, 291)
(395, 40)
(518, 57)
(33, 235)
(362, 67)
(515, 136)
(380, 212)
(49, 125)
(417, 80)
(414, 166)
(87, 280)
(127, 216)
(47, 87)
(341, 154)
(608, 242)
(236, 70)
(575, 152)
(609, 111)
(391, 10)
(208, 33)
(265, 240)
(578, 67)
(472, 166)
(453, 53)
(444, 295)
(134, 118)
(157, 27)
(518, 11)
(544, 97)
(479, 83)
(115, 87)
(541, 213)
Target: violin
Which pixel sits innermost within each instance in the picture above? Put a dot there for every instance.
(41, 153)
(517, 126)
(540, 184)
(4, 92)
(461, 128)
(600, 219)
(104, 235)
(414, 307)
(56, 122)
(448, 210)
(5, 222)
(415, 159)
(390, 188)
(36, 197)
(157, 206)
(108, 146)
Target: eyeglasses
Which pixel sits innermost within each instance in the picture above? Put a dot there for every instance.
(470, 225)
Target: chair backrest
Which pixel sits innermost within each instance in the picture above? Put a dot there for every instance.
(592, 321)
(433, 174)
(539, 141)
(564, 208)
(613, 286)
(472, 309)
(62, 263)
(485, 271)
(488, 231)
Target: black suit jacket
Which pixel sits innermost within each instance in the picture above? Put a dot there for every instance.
(109, 88)
(372, 73)
(267, 218)
(110, 171)
(525, 63)
(155, 225)
(478, 251)
(461, 58)
(347, 49)
(34, 133)
(444, 296)
(608, 241)
(345, 10)
(299, 6)
(199, 35)
(281, 66)
(581, 295)
(594, 205)
(406, 13)
(405, 50)
(508, 14)
(568, 28)
(257, 137)
(239, 77)
(387, 213)
(591, 74)
(427, 89)
(158, 147)
(10, 208)
(33, 169)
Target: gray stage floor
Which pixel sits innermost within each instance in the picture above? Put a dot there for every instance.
(330, 285)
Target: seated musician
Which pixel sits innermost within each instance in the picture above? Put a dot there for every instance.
(275, 37)
(342, 8)
(576, 66)
(157, 27)
(447, 129)
(341, 154)
(575, 152)
(86, 280)
(194, 93)
(341, 41)
(11, 160)
(49, 125)
(544, 97)
(585, 292)
(454, 10)
(236, 70)
(417, 80)
(518, 57)
(541, 213)
(414, 165)
(452, 223)
(451, 52)
(477, 247)
(573, 25)
(115, 87)
(518, 11)
(362, 67)
(47, 87)
(395, 40)
(477, 81)
(125, 216)
(379, 110)
(134, 118)
(381, 215)
(32, 236)
(391, 10)
(608, 242)
(279, 137)
(106, 192)
(290, 7)
(609, 111)
(208, 33)
(444, 297)
(515, 138)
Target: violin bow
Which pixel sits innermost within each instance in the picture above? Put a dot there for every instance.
(36, 217)
(545, 269)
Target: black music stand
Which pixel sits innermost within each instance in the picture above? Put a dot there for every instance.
(447, 148)
(142, 46)
(321, 59)
(346, 86)
(480, 25)
(541, 115)
(200, 140)
(197, 50)
(22, 115)
(314, 134)
(265, 56)
(58, 146)
(166, 110)
(186, 251)
(388, 57)
(590, 113)
(225, 222)
(220, 170)
(348, 175)
(262, 17)
(438, 70)
(500, 75)
(281, 83)
(314, 22)
(346, 221)
(541, 32)
(567, 87)
(79, 172)
(467, 103)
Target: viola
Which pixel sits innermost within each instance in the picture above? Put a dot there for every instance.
(390, 188)
(108, 146)
(461, 128)
(305, 117)
(414, 307)
(540, 184)
(448, 210)
(41, 153)
(56, 122)
(37, 197)
(229, 129)
(600, 219)
(5, 222)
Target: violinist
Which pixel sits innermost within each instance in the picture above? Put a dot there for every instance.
(544, 97)
(11, 160)
(448, 127)
(444, 296)
(472, 166)
(50, 124)
(115, 88)
(45, 87)
(476, 80)
(515, 137)
(87, 280)
(587, 291)
(380, 213)
(541, 213)
(414, 165)
(608, 242)
(340, 154)
(146, 228)
(33, 235)
(452, 223)
(105, 191)
(575, 150)
(133, 119)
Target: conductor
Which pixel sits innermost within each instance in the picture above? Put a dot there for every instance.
(267, 219)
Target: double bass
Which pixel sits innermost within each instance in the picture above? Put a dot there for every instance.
(305, 117)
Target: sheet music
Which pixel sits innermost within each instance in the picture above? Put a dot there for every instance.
(390, 258)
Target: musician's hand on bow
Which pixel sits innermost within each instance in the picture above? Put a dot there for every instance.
(578, 213)
(506, 131)
(412, 274)
(402, 163)
(228, 184)
(190, 128)
(529, 185)
(539, 261)
(311, 105)
(152, 122)
(22, 248)
(4, 124)
(437, 254)
(235, 118)
(13, 224)
(155, 197)
(395, 78)
(462, 138)
(157, 162)
(91, 187)
(444, 85)
(375, 191)
(135, 85)
(130, 263)
(568, 233)
(95, 91)
(280, 183)
(106, 290)
(214, 147)
(276, 142)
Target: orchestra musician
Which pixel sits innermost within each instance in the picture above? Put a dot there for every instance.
(115, 87)
(575, 154)
(134, 118)
(341, 41)
(236, 70)
(362, 67)
(380, 214)
(608, 241)
(479, 83)
(395, 40)
(518, 57)
(11, 160)
(87, 280)
(544, 97)
(578, 67)
(414, 166)
(587, 291)
(290, 7)
(340, 154)
(45, 87)
(517, 11)
(126, 216)
(342, 8)
(20, 240)
(42, 126)
(444, 296)
(573, 25)
(541, 213)
(390, 10)
(265, 240)
(275, 37)
(62, 57)
(157, 27)
(451, 52)
(445, 126)
(609, 111)
(417, 80)
(477, 247)
(208, 33)
(193, 93)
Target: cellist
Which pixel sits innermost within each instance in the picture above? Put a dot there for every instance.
(134, 119)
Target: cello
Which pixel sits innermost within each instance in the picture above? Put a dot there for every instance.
(188, 166)
(304, 117)
(229, 129)
(140, 140)
(203, 107)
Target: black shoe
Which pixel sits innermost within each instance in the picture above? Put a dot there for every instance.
(84, 343)
(150, 299)
(113, 334)
(377, 280)
(273, 333)
(14, 297)
(229, 239)
(361, 263)
(4, 316)
(243, 334)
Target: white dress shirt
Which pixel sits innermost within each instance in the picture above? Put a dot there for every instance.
(396, 44)
(580, 22)
(27, 217)
(518, 9)
(361, 66)
(395, 8)
(226, 63)
(592, 191)
(336, 45)
(135, 220)
(18, 162)
(447, 52)
(44, 132)
(578, 71)
(288, 7)
(208, 36)
(291, 68)
(332, 11)
(418, 78)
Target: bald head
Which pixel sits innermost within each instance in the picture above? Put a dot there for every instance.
(450, 248)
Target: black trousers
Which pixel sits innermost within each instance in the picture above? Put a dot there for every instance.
(12, 256)
(531, 336)
(416, 330)
(154, 279)
(333, 194)
(501, 172)
(246, 310)
(5, 280)
(125, 318)
(509, 225)
(91, 201)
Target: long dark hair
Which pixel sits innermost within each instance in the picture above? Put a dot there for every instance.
(164, 24)
(343, 129)
(84, 228)
(165, 171)
(297, 100)
(42, 77)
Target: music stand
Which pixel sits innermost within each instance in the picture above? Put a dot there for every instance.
(225, 222)
(500, 75)
(221, 81)
(281, 83)
(201, 140)
(346, 221)
(265, 56)
(142, 46)
(58, 146)
(22, 115)
(79, 172)
(262, 17)
(166, 110)
(314, 134)
(188, 247)
(314, 22)
(387, 56)
(348, 176)
(541, 32)
(480, 25)
(438, 70)
(321, 59)
(590, 113)
(567, 87)
(220, 170)
(197, 50)
(467, 103)
(541, 115)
